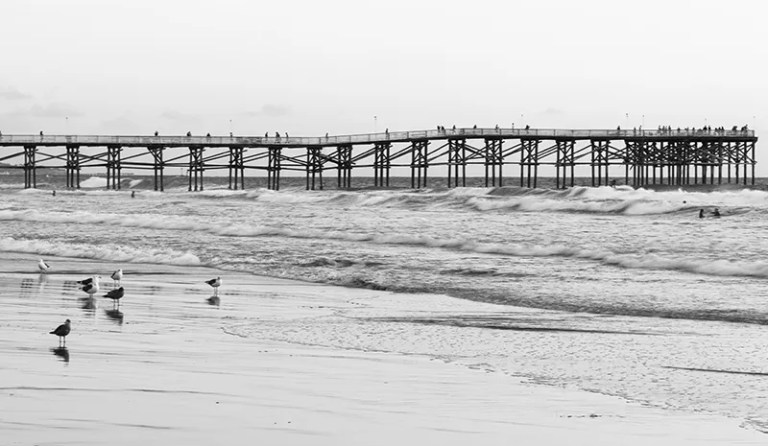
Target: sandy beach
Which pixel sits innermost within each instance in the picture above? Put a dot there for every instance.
(172, 367)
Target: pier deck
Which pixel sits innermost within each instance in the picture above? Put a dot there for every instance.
(674, 156)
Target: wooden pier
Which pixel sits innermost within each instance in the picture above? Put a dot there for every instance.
(504, 156)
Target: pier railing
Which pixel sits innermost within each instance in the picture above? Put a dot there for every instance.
(303, 141)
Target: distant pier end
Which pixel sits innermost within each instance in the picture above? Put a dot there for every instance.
(506, 156)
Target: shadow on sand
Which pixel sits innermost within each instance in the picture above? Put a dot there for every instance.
(61, 352)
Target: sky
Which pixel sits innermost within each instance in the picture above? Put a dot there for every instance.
(345, 67)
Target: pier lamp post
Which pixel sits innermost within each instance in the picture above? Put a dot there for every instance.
(66, 125)
(375, 123)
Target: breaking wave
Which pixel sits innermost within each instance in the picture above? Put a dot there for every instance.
(109, 252)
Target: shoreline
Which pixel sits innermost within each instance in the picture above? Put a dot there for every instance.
(175, 368)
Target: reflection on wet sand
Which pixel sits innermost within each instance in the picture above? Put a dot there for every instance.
(61, 352)
(115, 315)
(214, 300)
(30, 287)
(88, 304)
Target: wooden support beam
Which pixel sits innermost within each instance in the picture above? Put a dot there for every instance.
(344, 160)
(236, 167)
(158, 166)
(565, 162)
(314, 168)
(30, 167)
(494, 161)
(196, 167)
(274, 166)
(73, 167)
(113, 167)
(457, 161)
(382, 163)
(419, 163)
(529, 162)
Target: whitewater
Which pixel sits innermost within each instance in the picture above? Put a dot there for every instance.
(619, 291)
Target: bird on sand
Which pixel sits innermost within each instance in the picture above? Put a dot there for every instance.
(90, 285)
(62, 331)
(87, 281)
(115, 295)
(215, 283)
(117, 277)
(42, 266)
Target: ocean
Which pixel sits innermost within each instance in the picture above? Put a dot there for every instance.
(613, 290)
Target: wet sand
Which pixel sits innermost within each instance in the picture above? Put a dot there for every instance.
(173, 366)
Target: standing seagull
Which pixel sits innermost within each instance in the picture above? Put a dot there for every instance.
(91, 285)
(62, 331)
(215, 283)
(42, 266)
(115, 295)
(117, 277)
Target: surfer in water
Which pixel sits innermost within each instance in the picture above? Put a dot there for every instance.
(716, 212)
(701, 213)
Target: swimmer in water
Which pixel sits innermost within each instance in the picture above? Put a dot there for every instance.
(716, 212)
(701, 213)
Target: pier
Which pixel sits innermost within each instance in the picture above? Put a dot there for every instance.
(504, 156)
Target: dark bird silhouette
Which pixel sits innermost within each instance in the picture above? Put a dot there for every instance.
(215, 283)
(116, 295)
(62, 331)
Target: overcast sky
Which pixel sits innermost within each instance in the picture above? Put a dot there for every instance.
(316, 66)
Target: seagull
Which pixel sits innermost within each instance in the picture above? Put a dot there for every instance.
(215, 283)
(91, 285)
(87, 281)
(42, 266)
(62, 331)
(116, 295)
(117, 277)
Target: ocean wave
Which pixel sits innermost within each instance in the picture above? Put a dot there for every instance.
(110, 252)
(629, 261)
(621, 200)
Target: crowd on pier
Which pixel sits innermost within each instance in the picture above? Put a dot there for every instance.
(668, 130)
